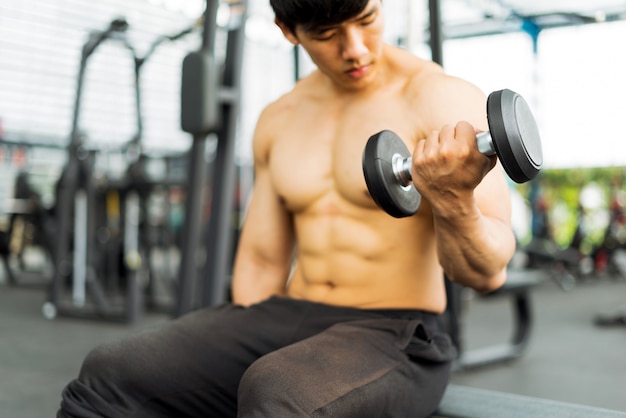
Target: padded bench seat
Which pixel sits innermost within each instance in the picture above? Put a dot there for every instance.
(467, 402)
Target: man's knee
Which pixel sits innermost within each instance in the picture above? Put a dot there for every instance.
(112, 379)
(92, 394)
(269, 386)
(296, 381)
(108, 361)
(274, 387)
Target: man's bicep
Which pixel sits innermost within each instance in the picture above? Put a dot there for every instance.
(267, 228)
(451, 100)
(493, 195)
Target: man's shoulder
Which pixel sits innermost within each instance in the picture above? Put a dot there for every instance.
(290, 100)
(404, 61)
(442, 96)
(450, 99)
(430, 79)
(420, 77)
(276, 113)
(279, 106)
(422, 72)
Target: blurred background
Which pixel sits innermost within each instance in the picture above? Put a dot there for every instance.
(113, 212)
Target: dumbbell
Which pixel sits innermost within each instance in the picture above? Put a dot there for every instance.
(513, 136)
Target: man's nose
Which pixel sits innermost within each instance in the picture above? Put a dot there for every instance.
(353, 45)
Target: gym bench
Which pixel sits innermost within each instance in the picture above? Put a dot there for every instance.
(517, 287)
(467, 402)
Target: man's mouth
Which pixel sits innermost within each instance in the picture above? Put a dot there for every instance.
(358, 71)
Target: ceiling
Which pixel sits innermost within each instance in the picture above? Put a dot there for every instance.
(576, 6)
(466, 18)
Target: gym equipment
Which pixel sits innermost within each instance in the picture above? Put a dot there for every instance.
(137, 188)
(513, 136)
(468, 402)
(76, 256)
(517, 288)
(212, 110)
(83, 253)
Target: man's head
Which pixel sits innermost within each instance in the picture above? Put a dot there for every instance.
(344, 38)
(315, 14)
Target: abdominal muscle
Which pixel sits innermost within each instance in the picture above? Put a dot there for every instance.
(355, 261)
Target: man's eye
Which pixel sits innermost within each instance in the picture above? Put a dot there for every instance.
(324, 36)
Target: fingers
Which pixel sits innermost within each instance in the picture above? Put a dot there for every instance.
(447, 140)
(448, 150)
(431, 144)
(465, 130)
(449, 160)
(450, 132)
(459, 139)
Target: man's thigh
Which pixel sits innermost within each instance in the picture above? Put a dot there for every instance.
(382, 367)
(187, 367)
(205, 353)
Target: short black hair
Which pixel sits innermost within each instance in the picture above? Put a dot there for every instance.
(315, 14)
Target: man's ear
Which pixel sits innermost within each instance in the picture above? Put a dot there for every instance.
(287, 33)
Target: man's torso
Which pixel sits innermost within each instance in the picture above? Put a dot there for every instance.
(349, 251)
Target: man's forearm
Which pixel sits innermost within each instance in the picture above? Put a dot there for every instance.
(248, 292)
(254, 280)
(474, 249)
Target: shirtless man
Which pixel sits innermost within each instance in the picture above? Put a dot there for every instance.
(335, 303)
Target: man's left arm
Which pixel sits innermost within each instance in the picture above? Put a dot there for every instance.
(467, 191)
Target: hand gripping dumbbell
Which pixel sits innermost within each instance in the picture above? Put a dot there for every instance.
(513, 136)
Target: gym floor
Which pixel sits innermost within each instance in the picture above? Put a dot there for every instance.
(569, 359)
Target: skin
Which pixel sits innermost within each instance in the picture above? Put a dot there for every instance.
(312, 230)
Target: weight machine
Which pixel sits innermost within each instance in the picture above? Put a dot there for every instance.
(210, 100)
(79, 259)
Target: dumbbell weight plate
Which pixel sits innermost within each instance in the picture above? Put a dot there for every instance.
(389, 194)
(515, 135)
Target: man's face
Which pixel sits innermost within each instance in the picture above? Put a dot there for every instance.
(347, 52)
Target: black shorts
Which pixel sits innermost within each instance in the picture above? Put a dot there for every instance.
(281, 357)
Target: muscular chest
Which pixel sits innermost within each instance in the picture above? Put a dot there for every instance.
(316, 158)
